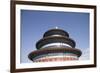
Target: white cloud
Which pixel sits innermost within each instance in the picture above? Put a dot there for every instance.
(85, 54)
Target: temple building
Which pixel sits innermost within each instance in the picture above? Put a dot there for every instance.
(56, 45)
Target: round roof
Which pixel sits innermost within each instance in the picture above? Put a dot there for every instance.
(55, 39)
(56, 32)
(36, 53)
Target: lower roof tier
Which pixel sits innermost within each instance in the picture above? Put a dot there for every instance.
(36, 53)
(55, 55)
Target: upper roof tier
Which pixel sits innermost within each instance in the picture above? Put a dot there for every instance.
(55, 36)
(56, 31)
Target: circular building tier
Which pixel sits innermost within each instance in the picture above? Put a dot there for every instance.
(55, 58)
(54, 32)
(55, 53)
(57, 45)
(55, 39)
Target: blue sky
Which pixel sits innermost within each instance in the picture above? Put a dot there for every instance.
(35, 23)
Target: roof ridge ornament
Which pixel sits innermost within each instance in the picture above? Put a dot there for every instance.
(56, 27)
